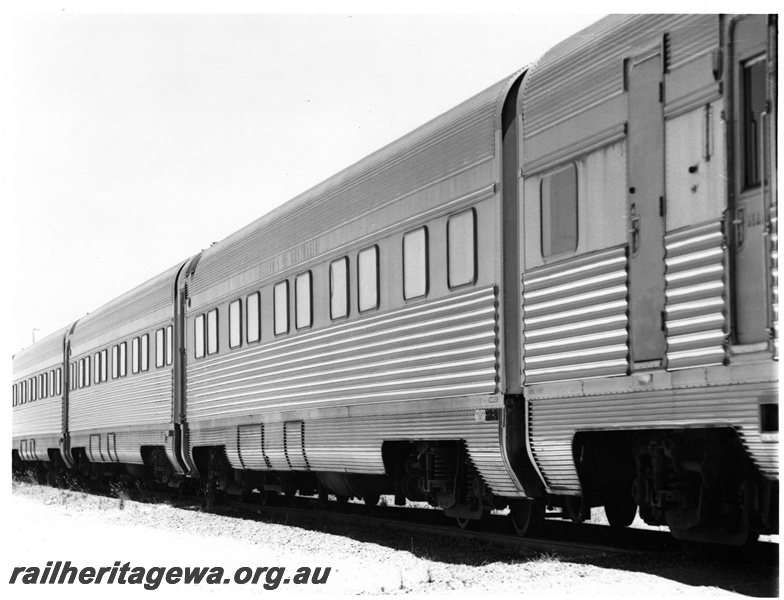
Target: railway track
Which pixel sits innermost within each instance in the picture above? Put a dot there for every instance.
(557, 536)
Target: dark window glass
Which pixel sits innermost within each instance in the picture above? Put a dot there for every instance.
(253, 321)
(303, 300)
(753, 105)
(367, 267)
(338, 288)
(559, 211)
(415, 263)
(461, 248)
(235, 323)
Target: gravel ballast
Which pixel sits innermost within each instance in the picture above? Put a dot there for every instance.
(45, 524)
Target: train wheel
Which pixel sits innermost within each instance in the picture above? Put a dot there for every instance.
(527, 516)
(620, 511)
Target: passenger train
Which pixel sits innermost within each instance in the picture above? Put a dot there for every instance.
(561, 293)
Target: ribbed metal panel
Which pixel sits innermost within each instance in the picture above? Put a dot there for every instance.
(696, 308)
(451, 143)
(45, 354)
(435, 350)
(41, 417)
(120, 446)
(136, 400)
(354, 444)
(143, 307)
(35, 447)
(554, 421)
(587, 68)
(575, 322)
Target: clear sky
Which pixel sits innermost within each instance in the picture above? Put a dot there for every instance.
(139, 139)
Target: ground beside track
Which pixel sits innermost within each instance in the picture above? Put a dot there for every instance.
(43, 524)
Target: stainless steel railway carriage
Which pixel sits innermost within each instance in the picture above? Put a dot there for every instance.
(562, 292)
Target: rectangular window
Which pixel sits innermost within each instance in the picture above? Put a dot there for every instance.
(160, 348)
(145, 350)
(72, 378)
(198, 336)
(367, 267)
(33, 389)
(415, 263)
(24, 392)
(58, 382)
(753, 105)
(212, 331)
(461, 248)
(115, 362)
(281, 307)
(303, 300)
(52, 389)
(42, 386)
(559, 211)
(235, 323)
(81, 373)
(14, 394)
(123, 359)
(97, 361)
(253, 320)
(338, 288)
(135, 352)
(169, 345)
(104, 364)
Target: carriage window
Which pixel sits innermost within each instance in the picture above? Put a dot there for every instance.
(81, 373)
(338, 288)
(123, 359)
(169, 345)
(135, 355)
(104, 365)
(160, 349)
(14, 393)
(24, 392)
(235, 323)
(198, 330)
(97, 374)
(253, 319)
(753, 105)
(559, 211)
(461, 248)
(33, 389)
(72, 379)
(415, 263)
(86, 371)
(368, 278)
(212, 331)
(281, 307)
(51, 383)
(58, 382)
(303, 299)
(42, 385)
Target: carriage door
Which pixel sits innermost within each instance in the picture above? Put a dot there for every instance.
(646, 209)
(750, 193)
